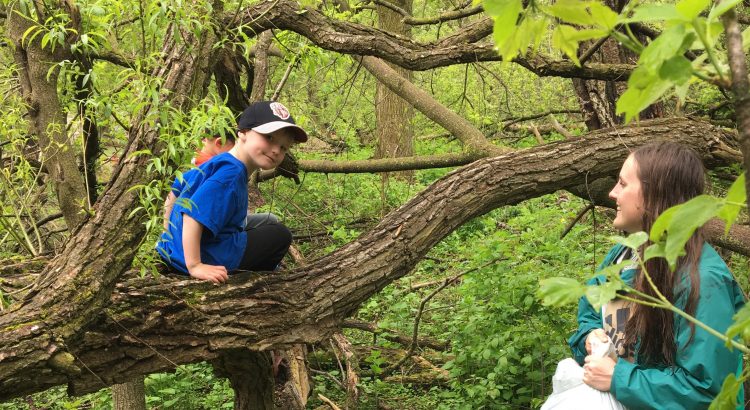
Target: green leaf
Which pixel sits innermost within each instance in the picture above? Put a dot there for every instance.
(599, 295)
(655, 250)
(644, 88)
(654, 12)
(612, 272)
(505, 13)
(682, 222)
(721, 7)
(691, 9)
(603, 16)
(632, 241)
(571, 11)
(676, 69)
(672, 41)
(563, 38)
(560, 291)
(727, 397)
(734, 201)
(746, 38)
(741, 325)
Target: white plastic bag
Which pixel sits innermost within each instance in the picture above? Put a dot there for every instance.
(570, 393)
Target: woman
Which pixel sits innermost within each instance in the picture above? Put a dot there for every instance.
(663, 361)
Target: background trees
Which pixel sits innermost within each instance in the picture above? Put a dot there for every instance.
(104, 101)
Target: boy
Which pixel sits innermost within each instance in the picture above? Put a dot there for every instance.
(206, 235)
(212, 146)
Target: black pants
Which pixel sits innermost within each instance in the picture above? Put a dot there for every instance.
(267, 244)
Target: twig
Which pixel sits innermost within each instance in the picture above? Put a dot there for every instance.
(559, 128)
(329, 377)
(328, 401)
(575, 220)
(537, 135)
(284, 78)
(393, 336)
(447, 16)
(590, 52)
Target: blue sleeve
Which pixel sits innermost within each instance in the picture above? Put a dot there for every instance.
(700, 367)
(588, 320)
(212, 205)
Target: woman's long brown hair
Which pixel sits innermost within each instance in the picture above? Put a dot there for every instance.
(670, 174)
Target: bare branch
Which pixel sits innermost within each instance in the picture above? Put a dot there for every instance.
(390, 164)
(451, 15)
(510, 121)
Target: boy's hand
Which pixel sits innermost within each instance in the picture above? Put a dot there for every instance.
(213, 273)
(596, 333)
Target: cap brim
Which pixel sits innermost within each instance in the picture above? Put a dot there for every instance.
(299, 134)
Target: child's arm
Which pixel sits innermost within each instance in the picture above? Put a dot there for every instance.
(191, 243)
(168, 205)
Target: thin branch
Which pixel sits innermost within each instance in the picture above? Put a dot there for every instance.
(328, 401)
(575, 220)
(447, 16)
(559, 128)
(394, 336)
(590, 52)
(285, 77)
(510, 121)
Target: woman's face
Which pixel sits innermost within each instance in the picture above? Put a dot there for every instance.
(629, 198)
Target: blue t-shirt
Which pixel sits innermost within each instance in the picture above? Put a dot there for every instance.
(215, 195)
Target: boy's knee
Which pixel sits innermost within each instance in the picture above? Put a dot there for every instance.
(283, 234)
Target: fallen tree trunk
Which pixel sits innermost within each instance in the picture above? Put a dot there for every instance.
(152, 324)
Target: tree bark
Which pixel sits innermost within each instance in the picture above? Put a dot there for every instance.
(250, 375)
(740, 87)
(129, 396)
(260, 67)
(462, 47)
(394, 115)
(152, 324)
(38, 81)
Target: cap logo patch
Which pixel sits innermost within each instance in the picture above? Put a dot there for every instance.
(279, 110)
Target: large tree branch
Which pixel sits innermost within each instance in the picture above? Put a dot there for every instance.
(152, 324)
(391, 164)
(429, 106)
(358, 39)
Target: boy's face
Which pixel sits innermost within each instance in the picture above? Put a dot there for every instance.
(264, 151)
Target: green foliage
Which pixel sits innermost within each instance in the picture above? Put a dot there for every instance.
(662, 65)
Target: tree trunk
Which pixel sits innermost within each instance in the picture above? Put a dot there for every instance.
(39, 88)
(394, 115)
(251, 378)
(78, 284)
(129, 396)
(151, 324)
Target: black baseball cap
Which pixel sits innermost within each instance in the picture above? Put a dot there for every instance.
(266, 117)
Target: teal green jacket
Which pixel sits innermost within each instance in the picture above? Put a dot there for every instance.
(700, 368)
